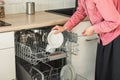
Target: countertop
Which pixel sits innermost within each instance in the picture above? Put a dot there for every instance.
(24, 21)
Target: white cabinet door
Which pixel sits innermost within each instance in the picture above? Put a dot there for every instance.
(7, 64)
(84, 61)
(6, 40)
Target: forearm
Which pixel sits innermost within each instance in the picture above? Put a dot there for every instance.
(77, 17)
(105, 26)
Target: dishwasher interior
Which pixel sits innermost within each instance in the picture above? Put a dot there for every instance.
(33, 62)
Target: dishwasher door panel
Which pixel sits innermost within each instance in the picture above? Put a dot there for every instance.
(84, 60)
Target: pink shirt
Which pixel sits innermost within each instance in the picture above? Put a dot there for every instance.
(104, 16)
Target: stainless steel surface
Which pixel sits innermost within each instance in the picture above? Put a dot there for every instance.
(23, 74)
(30, 8)
(79, 77)
(84, 61)
(57, 56)
(91, 39)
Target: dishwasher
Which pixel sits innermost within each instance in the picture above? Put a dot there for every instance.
(33, 62)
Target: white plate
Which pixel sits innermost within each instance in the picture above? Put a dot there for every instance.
(68, 73)
(50, 49)
(55, 40)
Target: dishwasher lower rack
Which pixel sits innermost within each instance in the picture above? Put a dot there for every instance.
(42, 71)
(34, 57)
(45, 72)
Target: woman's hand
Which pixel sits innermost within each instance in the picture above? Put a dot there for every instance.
(59, 29)
(88, 31)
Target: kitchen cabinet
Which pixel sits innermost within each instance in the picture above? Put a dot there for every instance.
(7, 64)
(84, 60)
(6, 40)
(7, 56)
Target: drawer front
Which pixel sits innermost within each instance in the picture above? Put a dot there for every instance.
(7, 64)
(6, 40)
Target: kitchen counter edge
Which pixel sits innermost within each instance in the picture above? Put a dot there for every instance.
(23, 21)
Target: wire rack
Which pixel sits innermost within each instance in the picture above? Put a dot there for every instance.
(48, 72)
(32, 46)
(45, 71)
(34, 57)
(25, 52)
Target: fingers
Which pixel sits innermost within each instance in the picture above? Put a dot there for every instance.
(88, 31)
(55, 28)
(58, 29)
(84, 33)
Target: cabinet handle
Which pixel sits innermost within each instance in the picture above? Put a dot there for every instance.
(91, 39)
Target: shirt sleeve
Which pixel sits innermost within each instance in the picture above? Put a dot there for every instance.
(110, 15)
(78, 16)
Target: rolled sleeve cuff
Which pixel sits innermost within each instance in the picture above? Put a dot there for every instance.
(96, 29)
(69, 26)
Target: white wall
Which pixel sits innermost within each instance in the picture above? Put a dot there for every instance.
(19, 6)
